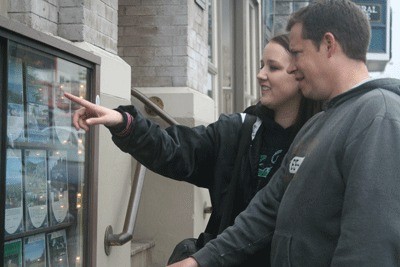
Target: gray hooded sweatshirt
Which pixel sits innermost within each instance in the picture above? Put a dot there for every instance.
(335, 201)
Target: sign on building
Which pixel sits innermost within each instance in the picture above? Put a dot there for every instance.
(378, 12)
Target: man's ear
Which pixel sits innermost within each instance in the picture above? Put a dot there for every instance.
(330, 43)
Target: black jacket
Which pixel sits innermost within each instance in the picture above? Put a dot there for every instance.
(205, 156)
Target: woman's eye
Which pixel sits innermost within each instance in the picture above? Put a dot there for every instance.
(272, 68)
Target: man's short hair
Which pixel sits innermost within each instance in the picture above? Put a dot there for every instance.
(343, 18)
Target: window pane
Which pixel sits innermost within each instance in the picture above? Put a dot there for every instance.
(45, 160)
(210, 85)
(227, 43)
(268, 13)
(210, 30)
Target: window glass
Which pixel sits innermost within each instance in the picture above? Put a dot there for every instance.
(227, 43)
(45, 161)
(268, 14)
(296, 5)
(210, 31)
(210, 85)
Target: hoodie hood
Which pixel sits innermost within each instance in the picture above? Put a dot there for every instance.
(389, 84)
(266, 115)
(260, 111)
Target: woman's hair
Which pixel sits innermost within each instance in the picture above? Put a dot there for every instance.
(308, 107)
(282, 40)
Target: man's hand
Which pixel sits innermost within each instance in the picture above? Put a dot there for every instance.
(189, 262)
(92, 114)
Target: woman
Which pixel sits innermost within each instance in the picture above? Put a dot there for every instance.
(204, 156)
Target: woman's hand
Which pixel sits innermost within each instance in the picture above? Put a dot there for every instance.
(91, 114)
(188, 262)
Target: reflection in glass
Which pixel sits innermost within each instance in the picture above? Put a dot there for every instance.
(45, 168)
(227, 43)
(210, 31)
(14, 209)
(268, 14)
(210, 85)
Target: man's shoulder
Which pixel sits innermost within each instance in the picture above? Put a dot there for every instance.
(381, 97)
(384, 86)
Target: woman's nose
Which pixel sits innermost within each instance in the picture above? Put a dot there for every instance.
(262, 75)
(291, 68)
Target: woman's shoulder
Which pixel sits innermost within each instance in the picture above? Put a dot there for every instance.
(227, 124)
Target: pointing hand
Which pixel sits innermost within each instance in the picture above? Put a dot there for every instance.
(91, 114)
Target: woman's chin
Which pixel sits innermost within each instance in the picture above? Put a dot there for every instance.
(265, 102)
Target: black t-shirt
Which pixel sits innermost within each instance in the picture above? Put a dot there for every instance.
(275, 145)
(264, 159)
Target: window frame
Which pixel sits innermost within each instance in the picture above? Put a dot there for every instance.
(19, 33)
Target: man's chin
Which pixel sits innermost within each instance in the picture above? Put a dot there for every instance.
(311, 94)
(307, 93)
(304, 90)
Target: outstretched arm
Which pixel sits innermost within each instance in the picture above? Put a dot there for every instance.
(91, 114)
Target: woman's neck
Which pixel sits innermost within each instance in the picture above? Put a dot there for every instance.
(286, 117)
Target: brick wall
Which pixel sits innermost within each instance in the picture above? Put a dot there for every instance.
(197, 48)
(41, 15)
(283, 9)
(165, 42)
(92, 21)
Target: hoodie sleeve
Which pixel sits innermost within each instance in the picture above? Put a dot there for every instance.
(178, 152)
(370, 228)
(253, 228)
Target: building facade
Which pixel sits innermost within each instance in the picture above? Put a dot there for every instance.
(196, 59)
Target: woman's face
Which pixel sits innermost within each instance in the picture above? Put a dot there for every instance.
(279, 90)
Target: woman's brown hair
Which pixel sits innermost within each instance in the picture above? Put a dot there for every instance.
(308, 107)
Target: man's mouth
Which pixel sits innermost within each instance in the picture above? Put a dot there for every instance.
(265, 88)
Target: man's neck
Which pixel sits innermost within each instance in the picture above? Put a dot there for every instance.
(349, 76)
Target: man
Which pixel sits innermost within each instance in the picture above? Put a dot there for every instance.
(335, 200)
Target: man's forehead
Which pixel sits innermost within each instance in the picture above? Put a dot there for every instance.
(295, 35)
(296, 31)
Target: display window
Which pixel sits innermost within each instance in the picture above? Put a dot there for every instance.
(45, 174)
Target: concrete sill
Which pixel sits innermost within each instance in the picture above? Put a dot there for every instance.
(141, 245)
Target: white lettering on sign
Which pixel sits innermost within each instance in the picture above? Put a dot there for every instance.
(372, 11)
(369, 9)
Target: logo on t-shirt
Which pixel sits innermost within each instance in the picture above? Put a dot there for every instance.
(265, 166)
(295, 164)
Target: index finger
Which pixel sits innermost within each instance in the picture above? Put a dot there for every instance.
(80, 101)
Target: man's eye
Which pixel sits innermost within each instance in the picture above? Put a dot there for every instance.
(295, 53)
(272, 68)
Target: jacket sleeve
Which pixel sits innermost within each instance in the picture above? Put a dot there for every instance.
(253, 228)
(370, 228)
(178, 152)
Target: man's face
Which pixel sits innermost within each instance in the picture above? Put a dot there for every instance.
(308, 65)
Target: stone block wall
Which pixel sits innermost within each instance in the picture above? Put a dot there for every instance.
(41, 15)
(283, 9)
(92, 21)
(165, 42)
